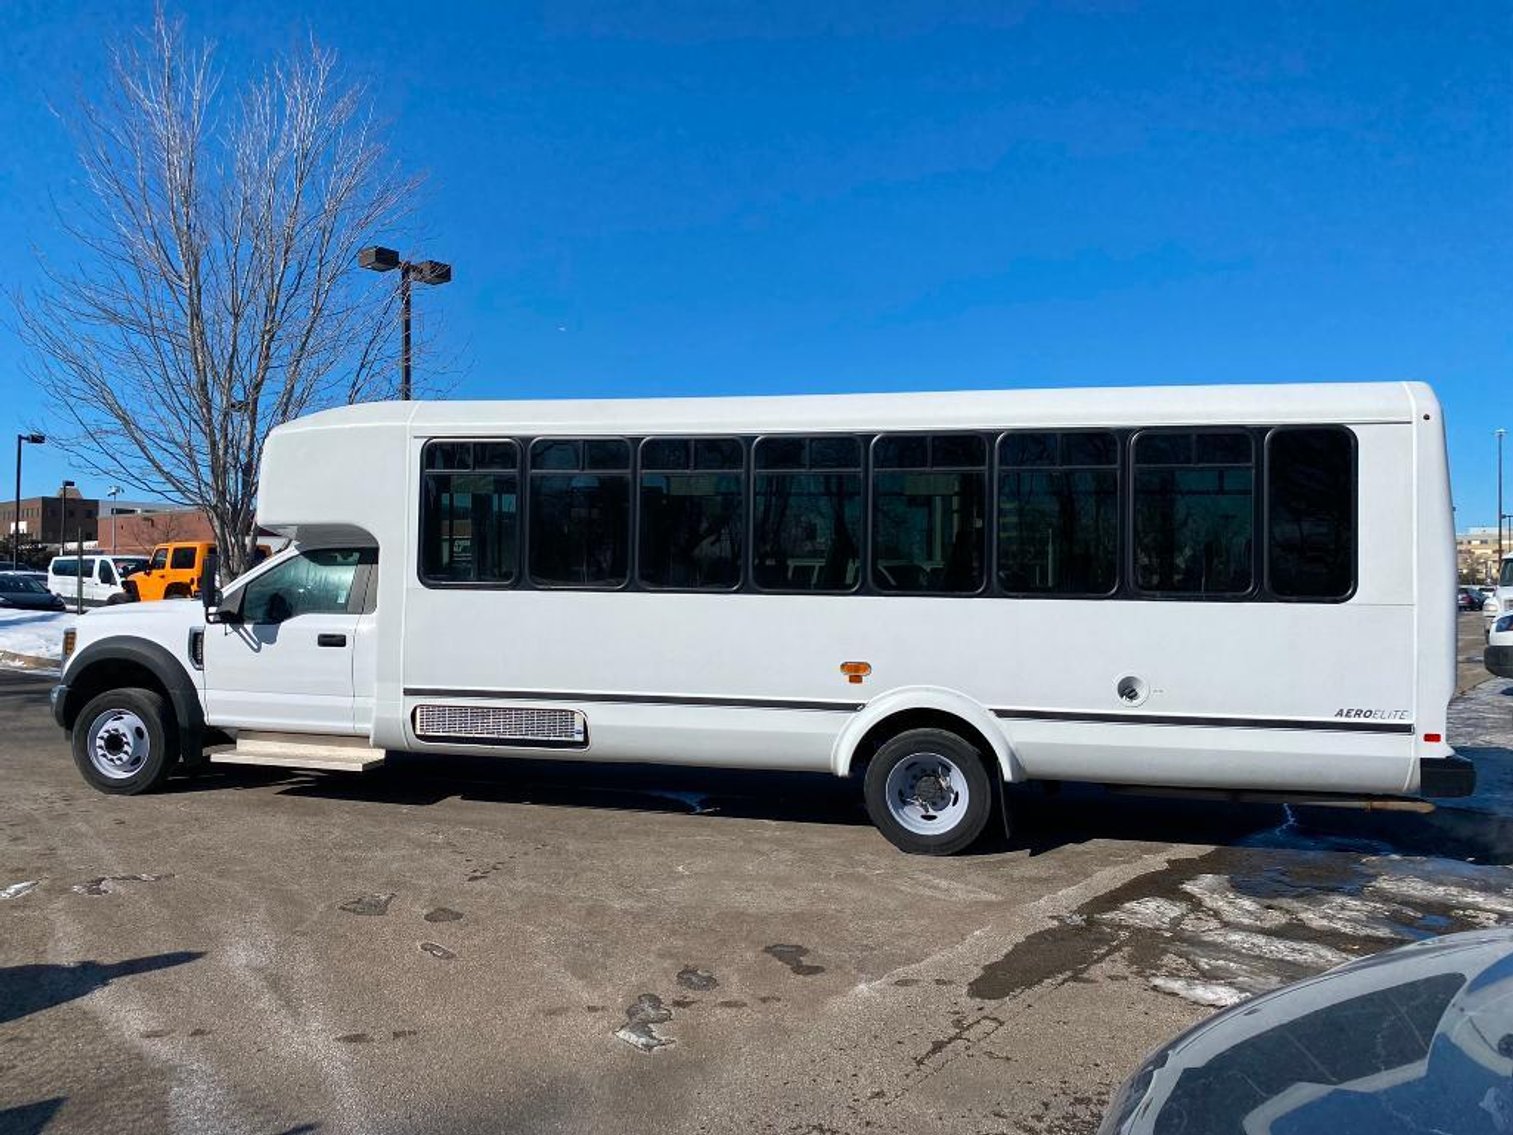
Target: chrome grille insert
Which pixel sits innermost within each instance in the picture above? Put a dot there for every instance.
(499, 725)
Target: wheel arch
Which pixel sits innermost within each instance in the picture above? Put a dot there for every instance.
(919, 707)
(121, 662)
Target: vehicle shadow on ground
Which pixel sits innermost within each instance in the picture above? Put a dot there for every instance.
(1042, 820)
(30, 1118)
(29, 989)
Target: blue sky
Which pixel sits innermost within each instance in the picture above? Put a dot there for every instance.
(686, 198)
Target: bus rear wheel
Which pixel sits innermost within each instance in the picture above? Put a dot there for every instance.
(928, 791)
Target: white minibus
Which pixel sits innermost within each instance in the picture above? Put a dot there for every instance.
(1236, 588)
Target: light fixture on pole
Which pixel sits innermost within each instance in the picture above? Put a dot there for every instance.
(21, 439)
(377, 259)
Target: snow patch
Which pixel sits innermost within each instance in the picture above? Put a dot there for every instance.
(1442, 894)
(16, 890)
(1148, 913)
(35, 633)
(1220, 899)
(1208, 993)
(1311, 955)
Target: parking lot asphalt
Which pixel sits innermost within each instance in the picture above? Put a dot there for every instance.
(482, 946)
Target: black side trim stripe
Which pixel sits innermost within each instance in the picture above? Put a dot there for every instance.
(1328, 724)
(636, 699)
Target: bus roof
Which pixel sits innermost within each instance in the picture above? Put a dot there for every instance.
(945, 409)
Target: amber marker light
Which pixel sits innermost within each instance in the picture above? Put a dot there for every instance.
(856, 671)
(68, 642)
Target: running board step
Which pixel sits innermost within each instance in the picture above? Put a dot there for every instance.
(316, 751)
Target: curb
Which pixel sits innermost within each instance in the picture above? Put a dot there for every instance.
(28, 661)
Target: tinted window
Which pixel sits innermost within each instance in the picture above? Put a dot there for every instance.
(692, 515)
(580, 513)
(317, 582)
(1058, 513)
(21, 585)
(470, 521)
(182, 558)
(808, 523)
(107, 573)
(928, 502)
(1310, 513)
(66, 568)
(1194, 524)
(160, 557)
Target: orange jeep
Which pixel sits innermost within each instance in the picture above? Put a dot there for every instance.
(175, 569)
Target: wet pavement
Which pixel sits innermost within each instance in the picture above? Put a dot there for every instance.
(498, 946)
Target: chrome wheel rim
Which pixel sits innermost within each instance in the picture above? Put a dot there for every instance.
(927, 794)
(119, 744)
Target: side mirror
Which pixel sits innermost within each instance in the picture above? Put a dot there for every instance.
(210, 595)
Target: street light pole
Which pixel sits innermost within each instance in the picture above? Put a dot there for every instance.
(1500, 434)
(113, 492)
(377, 259)
(404, 348)
(21, 439)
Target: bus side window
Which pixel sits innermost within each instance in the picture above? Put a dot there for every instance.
(1058, 513)
(580, 512)
(1194, 517)
(807, 531)
(470, 512)
(692, 497)
(929, 529)
(1310, 512)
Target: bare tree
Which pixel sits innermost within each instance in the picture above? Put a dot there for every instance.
(215, 294)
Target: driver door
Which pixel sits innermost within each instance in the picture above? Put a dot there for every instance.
(287, 664)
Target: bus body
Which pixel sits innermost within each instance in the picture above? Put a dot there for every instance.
(1206, 587)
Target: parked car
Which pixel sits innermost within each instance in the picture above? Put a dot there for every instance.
(1469, 599)
(103, 577)
(175, 569)
(1416, 1039)
(23, 590)
(1499, 653)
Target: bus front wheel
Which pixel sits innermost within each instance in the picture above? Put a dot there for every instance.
(928, 791)
(125, 741)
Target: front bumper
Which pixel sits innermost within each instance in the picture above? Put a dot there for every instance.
(1499, 660)
(57, 700)
(1446, 776)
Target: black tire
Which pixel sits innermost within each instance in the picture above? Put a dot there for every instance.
(125, 718)
(963, 819)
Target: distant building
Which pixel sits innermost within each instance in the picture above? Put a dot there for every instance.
(141, 531)
(52, 520)
(1476, 554)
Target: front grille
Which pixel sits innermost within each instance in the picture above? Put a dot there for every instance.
(496, 725)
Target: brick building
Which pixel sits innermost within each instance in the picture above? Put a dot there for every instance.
(52, 520)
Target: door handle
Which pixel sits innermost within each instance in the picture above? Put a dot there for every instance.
(331, 640)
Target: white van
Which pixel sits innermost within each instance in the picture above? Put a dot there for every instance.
(102, 574)
(1501, 601)
(1204, 588)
